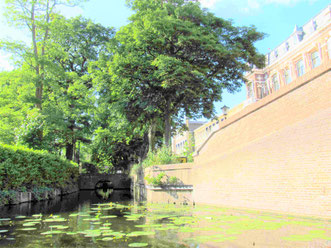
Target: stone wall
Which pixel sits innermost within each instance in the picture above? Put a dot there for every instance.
(275, 155)
(178, 193)
(119, 181)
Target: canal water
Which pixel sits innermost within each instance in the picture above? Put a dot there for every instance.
(114, 219)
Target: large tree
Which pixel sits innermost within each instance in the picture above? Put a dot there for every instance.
(16, 93)
(176, 57)
(34, 16)
(69, 94)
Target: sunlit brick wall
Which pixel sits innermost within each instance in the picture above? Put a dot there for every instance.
(275, 154)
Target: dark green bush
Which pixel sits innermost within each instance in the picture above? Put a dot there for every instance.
(21, 167)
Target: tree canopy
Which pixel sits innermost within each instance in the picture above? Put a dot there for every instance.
(83, 89)
(175, 57)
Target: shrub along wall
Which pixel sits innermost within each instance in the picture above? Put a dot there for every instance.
(23, 169)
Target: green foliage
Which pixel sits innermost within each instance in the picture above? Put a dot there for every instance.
(6, 196)
(16, 101)
(38, 192)
(189, 150)
(176, 58)
(173, 180)
(161, 179)
(20, 166)
(157, 180)
(159, 157)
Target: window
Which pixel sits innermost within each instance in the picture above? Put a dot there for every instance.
(314, 24)
(315, 59)
(287, 76)
(329, 47)
(300, 68)
(250, 88)
(275, 82)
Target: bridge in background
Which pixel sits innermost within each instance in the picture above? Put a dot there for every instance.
(119, 181)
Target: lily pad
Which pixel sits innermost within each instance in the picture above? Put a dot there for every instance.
(55, 220)
(37, 215)
(30, 223)
(112, 233)
(108, 208)
(91, 219)
(108, 216)
(138, 245)
(29, 229)
(107, 239)
(52, 232)
(92, 235)
(107, 224)
(5, 219)
(73, 215)
(20, 217)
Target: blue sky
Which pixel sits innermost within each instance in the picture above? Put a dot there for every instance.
(276, 18)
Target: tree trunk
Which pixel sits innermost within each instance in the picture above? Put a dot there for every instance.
(69, 151)
(167, 125)
(36, 57)
(151, 137)
(71, 142)
(39, 83)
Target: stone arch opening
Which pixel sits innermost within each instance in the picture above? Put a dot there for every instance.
(104, 185)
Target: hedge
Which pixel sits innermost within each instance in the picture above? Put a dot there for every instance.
(21, 167)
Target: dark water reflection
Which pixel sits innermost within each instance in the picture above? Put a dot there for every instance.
(113, 219)
(67, 203)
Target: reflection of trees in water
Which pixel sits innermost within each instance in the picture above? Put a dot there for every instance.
(104, 189)
(104, 193)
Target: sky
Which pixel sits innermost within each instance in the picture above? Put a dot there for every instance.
(275, 18)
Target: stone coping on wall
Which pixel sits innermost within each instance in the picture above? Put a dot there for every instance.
(167, 167)
(170, 188)
(297, 83)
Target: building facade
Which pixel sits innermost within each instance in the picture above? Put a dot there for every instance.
(185, 140)
(304, 50)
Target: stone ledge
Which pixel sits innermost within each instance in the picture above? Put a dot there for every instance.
(21, 197)
(170, 187)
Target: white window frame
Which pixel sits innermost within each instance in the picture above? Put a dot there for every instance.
(316, 59)
(301, 68)
(289, 78)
